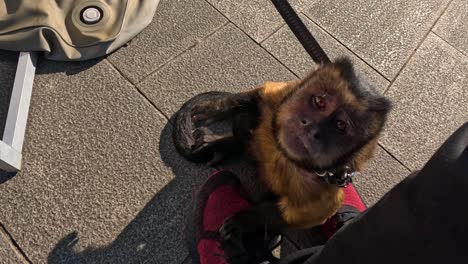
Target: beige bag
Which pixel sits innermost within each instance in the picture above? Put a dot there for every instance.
(72, 29)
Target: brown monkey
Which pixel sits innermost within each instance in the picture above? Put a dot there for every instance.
(297, 132)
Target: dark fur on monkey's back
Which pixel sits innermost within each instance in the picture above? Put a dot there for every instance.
(275, 121)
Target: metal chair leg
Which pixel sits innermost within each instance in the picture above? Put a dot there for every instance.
(15, 127)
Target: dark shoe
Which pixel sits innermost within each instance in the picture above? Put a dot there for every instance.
(220, 196)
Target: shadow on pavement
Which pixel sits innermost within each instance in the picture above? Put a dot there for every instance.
(156, 234)
(5, 176)
(67, 67)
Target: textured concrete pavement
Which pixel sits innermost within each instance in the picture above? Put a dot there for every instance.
(8, 252)
(101, 181)
(422, 118)
(227, 61)
(99, 169)
(7, 73)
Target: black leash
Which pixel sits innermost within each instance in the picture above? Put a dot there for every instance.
(301, 32)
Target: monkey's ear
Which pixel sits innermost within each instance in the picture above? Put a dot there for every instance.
(346, 67)
(380, 104)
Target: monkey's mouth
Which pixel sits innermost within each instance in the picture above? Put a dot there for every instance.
(292, 145)
(311, 153)
(301, 148)
(311, 147)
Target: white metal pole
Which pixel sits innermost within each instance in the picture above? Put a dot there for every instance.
(15, 127)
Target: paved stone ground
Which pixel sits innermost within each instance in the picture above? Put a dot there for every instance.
(101, 182)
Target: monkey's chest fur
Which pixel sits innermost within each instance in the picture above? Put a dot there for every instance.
(304, 199)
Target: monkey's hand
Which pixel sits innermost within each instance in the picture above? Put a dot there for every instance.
(245, 241)
(204, 139)
(240, 246)
(201, 114)
(207, 112)
(232, 244)
(223, 106)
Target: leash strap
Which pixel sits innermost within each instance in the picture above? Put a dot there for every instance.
(301, 32)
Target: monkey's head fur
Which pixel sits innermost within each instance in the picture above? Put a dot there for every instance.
(330, 119)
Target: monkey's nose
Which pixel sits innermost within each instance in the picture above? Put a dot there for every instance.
(316, 135)
(305, 122)
(311, 129)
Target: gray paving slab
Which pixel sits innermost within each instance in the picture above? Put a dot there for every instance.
(259, 18)
(177, 26)
(101, 182)
(228, 61)
(453, 25)
(383, 33)
(430, 102)
(285, 46)
(8, 62)
(382, 173)
(7, 252)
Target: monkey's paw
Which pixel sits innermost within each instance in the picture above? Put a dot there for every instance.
(232, 244)
(204, 138)
(204, 114)
(230, 229)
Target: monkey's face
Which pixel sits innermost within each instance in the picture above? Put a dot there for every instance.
(328, 118)
(315, 128)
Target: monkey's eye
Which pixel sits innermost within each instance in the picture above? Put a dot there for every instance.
(320, 102)
(341, 125)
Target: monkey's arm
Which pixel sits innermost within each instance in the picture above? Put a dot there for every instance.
(196, 135)
(193, 134)
(250, 235)
(264, 216)
(206, 112)
(277, 215)
(270, 93)
(242, 112)
(244, 109)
